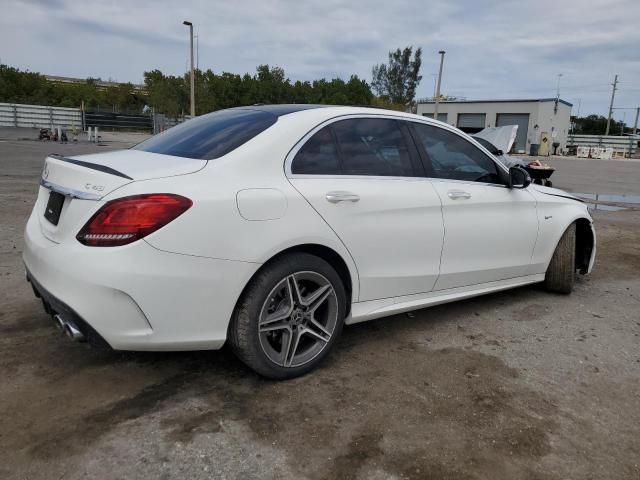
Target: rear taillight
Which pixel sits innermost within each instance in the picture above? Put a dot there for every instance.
(128, 219)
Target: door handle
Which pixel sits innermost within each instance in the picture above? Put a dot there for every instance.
(336, 197)
(456, 194)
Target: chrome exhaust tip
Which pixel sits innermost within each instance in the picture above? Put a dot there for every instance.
(73, 333)
(59, 322)
(69, 328)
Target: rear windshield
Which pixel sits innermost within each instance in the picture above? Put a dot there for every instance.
(210, 136)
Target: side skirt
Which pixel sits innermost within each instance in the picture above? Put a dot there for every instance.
(363, 311)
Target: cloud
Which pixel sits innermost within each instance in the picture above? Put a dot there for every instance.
(495, 49)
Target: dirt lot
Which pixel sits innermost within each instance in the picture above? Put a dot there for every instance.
(520, 384)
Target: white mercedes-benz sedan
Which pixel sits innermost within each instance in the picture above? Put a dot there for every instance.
(269, 227)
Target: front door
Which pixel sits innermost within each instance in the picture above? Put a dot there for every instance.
(360, 175)
(490, 229)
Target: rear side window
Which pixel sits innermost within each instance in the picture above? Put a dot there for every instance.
(373, 146)
(453, 157)
(210, 136)
(318, 156)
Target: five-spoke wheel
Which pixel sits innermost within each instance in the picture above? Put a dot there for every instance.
(298, 318)
(289, 317)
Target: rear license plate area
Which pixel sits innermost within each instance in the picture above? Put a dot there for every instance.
(54, 207)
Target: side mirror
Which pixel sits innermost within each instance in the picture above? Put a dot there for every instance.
(518, 178)
(499, 153)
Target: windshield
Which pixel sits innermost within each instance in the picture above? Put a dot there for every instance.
(488, 145)
(210, 136)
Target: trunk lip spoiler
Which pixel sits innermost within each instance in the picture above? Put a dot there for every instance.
(93, 166)
(69, 192)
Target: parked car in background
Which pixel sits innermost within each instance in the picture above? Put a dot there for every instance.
(270, 227)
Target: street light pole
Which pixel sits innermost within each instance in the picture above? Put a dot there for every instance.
(193, 97)
(435, 110)
(558, 87)
(197, 38)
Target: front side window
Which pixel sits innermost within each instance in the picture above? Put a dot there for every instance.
(372, 146)
(210, 136)
(455, 158)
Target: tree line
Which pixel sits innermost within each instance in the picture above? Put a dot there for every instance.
(394, 84)
(597, 125)
(32, 88)
(269, 85)
(169, 94)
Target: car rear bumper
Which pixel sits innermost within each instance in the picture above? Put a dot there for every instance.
(136, 297)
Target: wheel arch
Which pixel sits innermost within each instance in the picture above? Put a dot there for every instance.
(585, 244)
(328, 254)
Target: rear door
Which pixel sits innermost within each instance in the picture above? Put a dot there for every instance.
(490, 229)
(362, 176)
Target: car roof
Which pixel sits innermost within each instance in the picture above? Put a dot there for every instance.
(327, 110)
(280, 109)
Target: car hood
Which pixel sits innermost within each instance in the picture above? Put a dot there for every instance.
(556, 192)
(501, 137)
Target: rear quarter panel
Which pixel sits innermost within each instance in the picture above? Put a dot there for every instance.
(214, 226)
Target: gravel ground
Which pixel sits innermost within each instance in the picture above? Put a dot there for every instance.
(519, 384)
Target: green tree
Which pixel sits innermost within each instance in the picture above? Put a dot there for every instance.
(167, 94)
(397, 80)
(596, 125)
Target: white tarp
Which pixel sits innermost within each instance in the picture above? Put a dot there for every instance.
(501, 137)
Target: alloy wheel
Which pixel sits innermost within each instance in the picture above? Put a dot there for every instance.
(298, 318)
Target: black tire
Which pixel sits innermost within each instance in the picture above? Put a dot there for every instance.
(561, 273)
(244, 336)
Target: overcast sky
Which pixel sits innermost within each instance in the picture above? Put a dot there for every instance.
(495, 49)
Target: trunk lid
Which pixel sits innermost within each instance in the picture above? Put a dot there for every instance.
(85, 179)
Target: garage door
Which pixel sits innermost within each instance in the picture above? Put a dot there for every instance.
(471, 122)
(520, 119)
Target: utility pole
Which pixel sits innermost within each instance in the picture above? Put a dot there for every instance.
(635, 124)
(193, 97)
(577, 116)
(435, 111)
(613, 94)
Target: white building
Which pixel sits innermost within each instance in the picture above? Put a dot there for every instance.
(542, 121)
